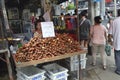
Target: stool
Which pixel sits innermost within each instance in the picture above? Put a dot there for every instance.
(6, 53)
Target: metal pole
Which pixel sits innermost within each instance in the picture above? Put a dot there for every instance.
(115, 8)
(4, 14)
(102, 8)
(78, 75)
(78, 37)
(79, 72)
(91, 11)
(97, 8)
(5, 21)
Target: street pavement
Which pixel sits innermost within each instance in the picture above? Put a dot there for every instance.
(97, 72)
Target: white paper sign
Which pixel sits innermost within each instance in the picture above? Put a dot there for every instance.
(47, 29)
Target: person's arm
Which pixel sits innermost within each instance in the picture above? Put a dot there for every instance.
(91, 33)
(106, 38)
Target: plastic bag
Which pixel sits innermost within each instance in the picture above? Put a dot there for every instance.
(108, 49)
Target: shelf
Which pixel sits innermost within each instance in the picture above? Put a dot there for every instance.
(11, 39)
(3, 50)
(75, 16)
(34, 62)
(73, 31)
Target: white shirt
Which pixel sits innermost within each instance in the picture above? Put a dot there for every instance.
(115, 31)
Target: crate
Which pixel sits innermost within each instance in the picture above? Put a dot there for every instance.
(75, 58)
(83, 63)
(19, 78)
(55, 71)
(82, 56)
(73, 65)
(64, 78)
(30, 73)
(53, 78)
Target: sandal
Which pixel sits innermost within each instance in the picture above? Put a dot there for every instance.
(104, 67)
(93, 64)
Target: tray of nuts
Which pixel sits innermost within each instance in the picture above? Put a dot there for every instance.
(39, 50)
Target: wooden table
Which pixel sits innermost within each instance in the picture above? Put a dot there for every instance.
(7, 55)
(34, 62)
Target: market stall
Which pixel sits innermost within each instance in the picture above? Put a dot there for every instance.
(47, 49)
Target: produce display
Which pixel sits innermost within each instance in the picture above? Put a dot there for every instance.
(39, 48)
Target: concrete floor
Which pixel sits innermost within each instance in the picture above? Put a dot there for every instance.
(97, 72)
(90, 73)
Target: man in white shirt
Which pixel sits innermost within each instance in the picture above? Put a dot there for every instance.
(114, 31)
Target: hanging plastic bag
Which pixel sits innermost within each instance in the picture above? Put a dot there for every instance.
(108, 49)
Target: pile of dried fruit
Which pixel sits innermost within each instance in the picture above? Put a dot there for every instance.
(38, 48)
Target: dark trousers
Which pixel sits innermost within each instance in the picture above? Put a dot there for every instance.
(117, 60)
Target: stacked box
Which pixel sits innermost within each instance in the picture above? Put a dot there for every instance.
(82, 56)
(72, 63)
(56, 72)
(30, 73)
(75, 58)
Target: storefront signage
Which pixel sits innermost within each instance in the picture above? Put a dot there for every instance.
(108, 1)
(47, 29)
(96, 0)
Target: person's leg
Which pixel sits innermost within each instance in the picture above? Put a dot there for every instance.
(103, 56)
(117, 61)
(82, 43)
(86, 43)
(94, 51)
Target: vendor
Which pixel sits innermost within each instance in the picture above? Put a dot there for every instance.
(38, 31)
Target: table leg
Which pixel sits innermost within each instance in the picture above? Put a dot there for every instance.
(9, 66)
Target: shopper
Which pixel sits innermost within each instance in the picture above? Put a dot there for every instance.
(109, 23)
(98, 36)
(114, 32)
(84, 28)
(41, 18)
(110, 40)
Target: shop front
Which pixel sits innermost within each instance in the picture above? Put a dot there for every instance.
(59, 43)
